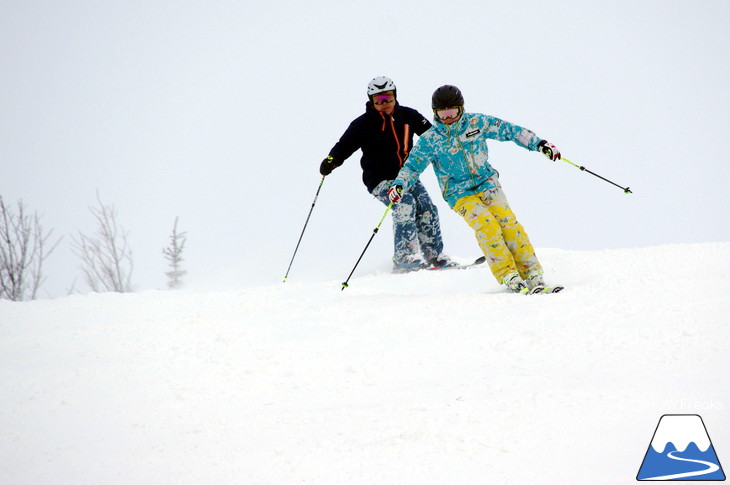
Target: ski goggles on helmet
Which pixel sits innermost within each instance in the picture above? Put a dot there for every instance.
(383, 98)
(448, 113)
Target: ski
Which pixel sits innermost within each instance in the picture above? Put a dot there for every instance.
(541, 290)
(477, 262)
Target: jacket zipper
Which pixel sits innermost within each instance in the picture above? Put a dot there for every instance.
(469, 158)
(397, 141)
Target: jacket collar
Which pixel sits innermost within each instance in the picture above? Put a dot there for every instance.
(454, 128)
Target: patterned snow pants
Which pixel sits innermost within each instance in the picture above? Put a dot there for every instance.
(416, 226)
(501, 238)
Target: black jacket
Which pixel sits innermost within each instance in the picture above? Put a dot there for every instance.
(385, 142)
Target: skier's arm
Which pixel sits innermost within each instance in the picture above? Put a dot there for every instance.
(505, 131)
(420, 123)
(349, 143)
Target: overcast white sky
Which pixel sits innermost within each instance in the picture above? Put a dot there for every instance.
(219, 112)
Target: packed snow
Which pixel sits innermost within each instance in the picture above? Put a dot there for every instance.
(435, 377)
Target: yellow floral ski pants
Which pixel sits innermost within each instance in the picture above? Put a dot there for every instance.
(501, 238)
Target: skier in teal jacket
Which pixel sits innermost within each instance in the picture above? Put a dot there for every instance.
(456, 146)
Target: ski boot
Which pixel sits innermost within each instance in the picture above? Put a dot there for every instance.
(536, 285)
(409, 264)
(442, 261)
(515, 283)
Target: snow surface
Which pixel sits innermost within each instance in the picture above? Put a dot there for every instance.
(426, 378)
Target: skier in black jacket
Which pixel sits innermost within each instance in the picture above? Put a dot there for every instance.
(384, 133)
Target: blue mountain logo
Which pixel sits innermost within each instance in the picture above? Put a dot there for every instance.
(681, 450)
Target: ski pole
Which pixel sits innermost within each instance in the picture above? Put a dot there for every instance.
(375, 231)
(625, 189)
(286, 276)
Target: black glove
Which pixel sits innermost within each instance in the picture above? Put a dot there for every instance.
(328, 164)
(549, 150)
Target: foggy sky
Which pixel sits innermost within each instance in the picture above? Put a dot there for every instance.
(219, 113)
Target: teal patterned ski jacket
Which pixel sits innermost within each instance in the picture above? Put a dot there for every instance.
(460, 156)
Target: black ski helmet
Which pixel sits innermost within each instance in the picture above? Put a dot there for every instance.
(447, 96)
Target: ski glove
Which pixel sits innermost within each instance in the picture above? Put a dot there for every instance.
(549, 150)
(329, 164)
(394, 193)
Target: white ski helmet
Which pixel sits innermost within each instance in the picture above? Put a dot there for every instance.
(380, 84)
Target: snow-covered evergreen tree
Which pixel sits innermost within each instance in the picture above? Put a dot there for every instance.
(173, 255)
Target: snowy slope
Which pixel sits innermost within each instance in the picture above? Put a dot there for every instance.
(427, 378)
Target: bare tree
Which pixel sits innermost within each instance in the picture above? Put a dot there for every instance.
(106, 259)
(23, 249)
(173, 255)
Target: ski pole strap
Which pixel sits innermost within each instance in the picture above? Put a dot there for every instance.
(625, 189)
